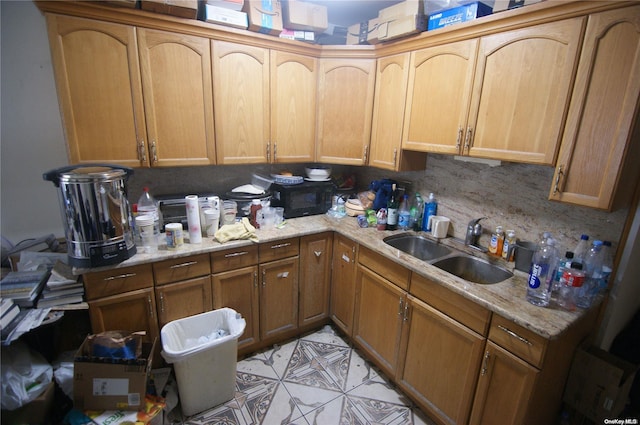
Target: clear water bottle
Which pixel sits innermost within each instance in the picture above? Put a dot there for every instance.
(593, 270)
(581, 248)
(541, 273)
(404, 216)
(572, 281)
(148, 206)
(416, 211)
(563, 264)
(607, 263)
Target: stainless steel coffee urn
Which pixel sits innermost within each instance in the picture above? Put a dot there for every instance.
(95, 213)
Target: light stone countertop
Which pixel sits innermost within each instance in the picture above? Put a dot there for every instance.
(506, 298)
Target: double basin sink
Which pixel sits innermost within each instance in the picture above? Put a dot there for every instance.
(464, 266)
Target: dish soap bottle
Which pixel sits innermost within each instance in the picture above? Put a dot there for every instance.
(430, 208)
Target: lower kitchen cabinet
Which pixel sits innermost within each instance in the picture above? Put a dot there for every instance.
(343, 283)
(504, 388)
(315, 279)
(235, 285)
(278, 297)
(182, 299)
(439, 362)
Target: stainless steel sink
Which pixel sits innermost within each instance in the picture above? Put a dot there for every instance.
(417, 246)
(473, 269)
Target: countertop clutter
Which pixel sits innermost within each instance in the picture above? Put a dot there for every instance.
(506, 298)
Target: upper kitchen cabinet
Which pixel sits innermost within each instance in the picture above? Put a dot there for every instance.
(241, 96)
(345, 104)
(598, 160)
(502, 96)
(178, 99)
(99, 90)
(392, 73)
(293, 107)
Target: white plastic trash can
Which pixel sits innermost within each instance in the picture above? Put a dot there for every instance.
(204, 362)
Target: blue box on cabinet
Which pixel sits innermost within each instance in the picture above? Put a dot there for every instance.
(463, 13)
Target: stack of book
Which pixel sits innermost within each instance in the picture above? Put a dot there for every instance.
(62, 288)
(8, 311)
(23, 287)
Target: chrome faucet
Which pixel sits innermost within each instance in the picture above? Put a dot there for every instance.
(474, 230)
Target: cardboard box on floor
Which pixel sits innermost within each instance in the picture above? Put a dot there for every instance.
(35, 412)
(110, 384)
(598, 384)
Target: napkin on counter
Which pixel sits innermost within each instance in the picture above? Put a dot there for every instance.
(241, 230)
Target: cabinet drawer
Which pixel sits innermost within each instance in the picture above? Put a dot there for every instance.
(117, 281)
(456, 306)
(232, 259)
(181, 268)
(279, 249)
(384, 267)
(522, 342)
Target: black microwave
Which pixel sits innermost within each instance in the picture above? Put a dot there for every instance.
(307, 198)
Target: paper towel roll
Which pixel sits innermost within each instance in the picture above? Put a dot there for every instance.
(193, 219)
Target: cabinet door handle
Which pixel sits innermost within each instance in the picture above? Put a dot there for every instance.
(255, 279)
(187, 264)
(154, 152)
(142, 152)
(405, 316)
(268, 152)
(459, 138)
(264, 278)
(515, 335)
(559, 174)
(120, 276)
(467, 140)
(317, 253)
(161, 302)
(275, 151)
(364, 156)
(400, 309)
(151, 308)
(236, 254)
(485, 363)
(395, 158)
(282, 245)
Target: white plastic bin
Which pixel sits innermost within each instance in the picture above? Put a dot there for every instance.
(205, 367)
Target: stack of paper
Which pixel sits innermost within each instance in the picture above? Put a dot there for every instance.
(23, 286)
(8, 311)
(62, 287)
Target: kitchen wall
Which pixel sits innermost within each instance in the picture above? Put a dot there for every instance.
(32, 141)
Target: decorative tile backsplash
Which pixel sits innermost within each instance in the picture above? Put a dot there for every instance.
(511, 195)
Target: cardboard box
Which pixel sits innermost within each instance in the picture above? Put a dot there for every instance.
(599, 383)
(357, 33)
(35, 412)
(110, 384)
(298, 35)
(464, 13)
(180, 8)
(305, 16)
(227, 4)
(123, 3)
(228, 17)
(501, 5)
(265, 16)
(406, 8)
(401, 27)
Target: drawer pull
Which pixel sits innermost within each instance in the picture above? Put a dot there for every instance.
(281, 245)
(515, 335)
(236, 254)
(120, 276)
(187, 264)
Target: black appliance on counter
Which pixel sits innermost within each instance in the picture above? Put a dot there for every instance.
(173, 208)
(307, 198)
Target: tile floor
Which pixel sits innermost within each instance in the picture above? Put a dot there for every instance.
(318, 379)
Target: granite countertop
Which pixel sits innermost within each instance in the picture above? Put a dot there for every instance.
(506, 298)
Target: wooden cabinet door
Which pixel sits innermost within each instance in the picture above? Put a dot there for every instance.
(521, 91)
(345, 104)
(504, 388)
(599, 152)
(238, 289)
(183, 299)
(278, 297)
(379, 313)
(343, 283)
(392, 73)
(293, 107)
(131, 311)
(439, 362)
(438, 97)
(178, 98)
(315, 278)
(98, 81)
(241, 99)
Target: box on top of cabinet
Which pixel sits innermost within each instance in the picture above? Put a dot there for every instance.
(227, 4)
(304, 16)
(401, 27)
(265, 16)
(359, 33)
(405, 8)
(180, 8)
(226, 16)
(501, 5)
(455, 15)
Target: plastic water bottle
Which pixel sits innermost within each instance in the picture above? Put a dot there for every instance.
(541, 273)
(563, 264)
(572, 281)
(430, 208)
(581, 248)
(607, 263)
(148, 206)
(593, 269)
(416, 211)
(404, 216)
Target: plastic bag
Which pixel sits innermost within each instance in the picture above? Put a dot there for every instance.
(25, 375)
